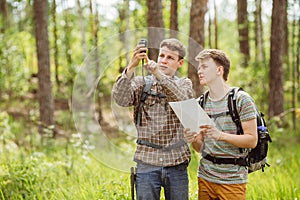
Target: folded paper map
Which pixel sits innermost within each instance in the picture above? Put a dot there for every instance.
(190, 114)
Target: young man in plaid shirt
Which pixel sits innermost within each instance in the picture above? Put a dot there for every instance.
(162, 155)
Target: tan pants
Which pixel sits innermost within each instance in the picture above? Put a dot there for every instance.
(213, 191)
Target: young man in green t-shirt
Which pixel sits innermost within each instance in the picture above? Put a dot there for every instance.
(218, 176)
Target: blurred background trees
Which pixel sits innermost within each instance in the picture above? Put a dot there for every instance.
(60, 58)
(45, 43)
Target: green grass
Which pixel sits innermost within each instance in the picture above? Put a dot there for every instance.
(56, 171)
(44, 176)
(282, 179)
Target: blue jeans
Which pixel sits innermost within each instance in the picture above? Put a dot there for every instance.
(150, 179)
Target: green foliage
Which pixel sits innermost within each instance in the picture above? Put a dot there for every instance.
(41, 175)
(5, 126)
(254, 80)
(58, 172)
(64, 167)
(17, 63)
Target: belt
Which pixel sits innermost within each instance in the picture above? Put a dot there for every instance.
(183, 165)
(172, 146)
(242, 161)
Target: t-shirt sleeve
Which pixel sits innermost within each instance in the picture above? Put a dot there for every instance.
(246, 106)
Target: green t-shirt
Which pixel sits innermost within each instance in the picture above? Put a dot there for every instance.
(226, 173)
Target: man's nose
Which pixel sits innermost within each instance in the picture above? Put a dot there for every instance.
(199, 70)
(164, 59)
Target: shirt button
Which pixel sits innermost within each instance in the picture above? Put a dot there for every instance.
(160, 159)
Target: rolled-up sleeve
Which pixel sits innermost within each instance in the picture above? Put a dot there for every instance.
(122, 91)
(177, 90)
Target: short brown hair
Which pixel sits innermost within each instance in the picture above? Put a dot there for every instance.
(218, 56)
(174, 45)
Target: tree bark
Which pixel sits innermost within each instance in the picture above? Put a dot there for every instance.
(196, 41)
(259, 43)
(295, 49)
(276, 60)
(174, 19)
(156, 31)
(4, 14)
(286, 34)
(210, 27)
(96, 67)
(67, 49)
(42, 46)
(124, 14)
(82, 30)
(55, 36)
(298, 61)
(243, 31)
(216, 24)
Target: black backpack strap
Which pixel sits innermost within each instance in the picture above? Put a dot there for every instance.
(232, 106)
(146, 91)
(202, 99)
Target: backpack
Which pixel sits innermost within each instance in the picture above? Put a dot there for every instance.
(257, 157)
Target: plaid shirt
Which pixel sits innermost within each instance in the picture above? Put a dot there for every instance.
(159, 124)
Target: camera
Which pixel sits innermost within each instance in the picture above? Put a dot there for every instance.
(144, 43)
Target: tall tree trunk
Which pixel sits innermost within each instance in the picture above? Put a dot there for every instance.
(126, 34)
(4, 15)
(288, 73)
(295, 49)
(40, 8)
(95, 31)
(286, 34)
(156, 32)
(174, 19)
(82, 30)
(216, 24)
(196, 41)
(4, 21)
(243, 31)
(56, 64)
(210, 27)
(259, 43)
(213, 26)
(276, 60)
(67, 49)
(123, 32)
(97, 63)
(298, 62)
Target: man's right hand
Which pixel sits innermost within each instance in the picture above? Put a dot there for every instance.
(138, 54)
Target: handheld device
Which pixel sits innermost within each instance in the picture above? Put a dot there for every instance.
(144, 43)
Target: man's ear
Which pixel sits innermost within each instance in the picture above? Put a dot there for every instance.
(181, 61)
(220, 70)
